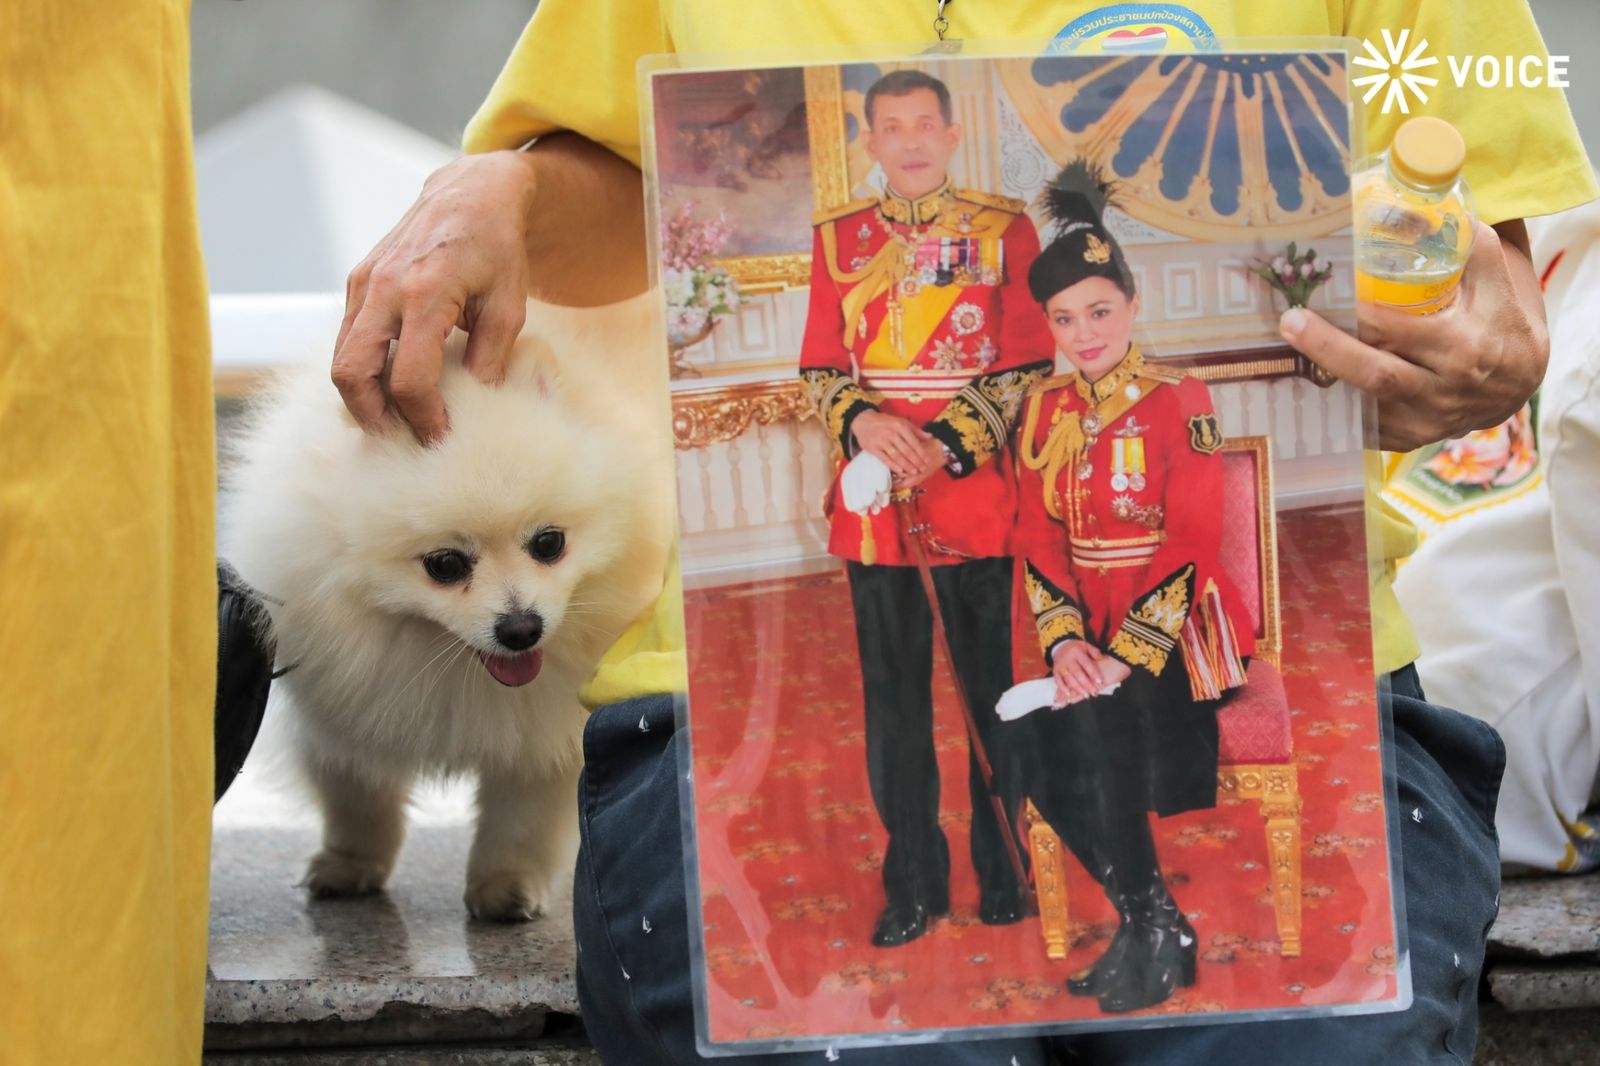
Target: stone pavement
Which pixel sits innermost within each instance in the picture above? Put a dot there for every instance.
(1544, 974)
(405, 979)
(1545, 946)
(539, 1053)
(404, 967)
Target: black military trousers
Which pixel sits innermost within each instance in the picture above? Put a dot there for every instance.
(894, 632)
(1097, 767)
(1094, 800)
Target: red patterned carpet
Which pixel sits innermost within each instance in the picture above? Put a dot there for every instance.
(791, 846)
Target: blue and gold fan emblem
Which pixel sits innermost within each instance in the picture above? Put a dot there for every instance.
(1203, 143)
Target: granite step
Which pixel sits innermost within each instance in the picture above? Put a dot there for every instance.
(404, 967)
(1537, 1038)
(1544, 949)
(408, 978)
(1505, 1038)
(1548, 917)
(539, 1054)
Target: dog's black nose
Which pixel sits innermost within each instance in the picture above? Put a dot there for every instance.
(519, 631)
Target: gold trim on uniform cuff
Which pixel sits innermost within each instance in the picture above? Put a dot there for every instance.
(1138, 651)
(1059, 623)
(977, 422)
(837, 400)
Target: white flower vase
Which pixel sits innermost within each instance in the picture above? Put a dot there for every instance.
(678, 344)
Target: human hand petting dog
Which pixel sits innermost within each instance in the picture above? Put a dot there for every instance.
(1470, 366)
(562, 222)
(456, 259)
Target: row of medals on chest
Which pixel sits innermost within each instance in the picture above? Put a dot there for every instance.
(926, 260)
(1127, 452)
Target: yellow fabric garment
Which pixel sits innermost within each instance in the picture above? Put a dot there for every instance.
(1393, 642)
(107, 580)
(648, 657)
(575, 67)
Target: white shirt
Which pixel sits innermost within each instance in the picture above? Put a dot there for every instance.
(1506, 601)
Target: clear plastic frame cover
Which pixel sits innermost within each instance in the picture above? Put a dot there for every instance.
(1027, 569)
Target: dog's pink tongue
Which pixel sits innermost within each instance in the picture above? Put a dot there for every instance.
(514, 670)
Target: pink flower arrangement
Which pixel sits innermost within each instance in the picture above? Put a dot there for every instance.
(688, 242)
(698, 293)
(1296, 276)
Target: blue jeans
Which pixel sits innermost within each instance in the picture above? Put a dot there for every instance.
(634, 984)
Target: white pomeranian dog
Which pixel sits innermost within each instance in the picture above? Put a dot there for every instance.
(437, 608)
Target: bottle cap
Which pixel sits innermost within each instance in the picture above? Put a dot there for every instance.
(1428, 151)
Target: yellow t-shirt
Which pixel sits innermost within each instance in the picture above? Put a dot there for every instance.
(108, 594)
(575, 67)
(649, 657)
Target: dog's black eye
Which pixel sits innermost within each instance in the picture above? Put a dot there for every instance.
(447, 566)
(547, 545)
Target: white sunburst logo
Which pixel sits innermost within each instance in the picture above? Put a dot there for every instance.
(1396, 71)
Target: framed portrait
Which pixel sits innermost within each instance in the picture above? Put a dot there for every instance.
(735, 143)
(1027, 584)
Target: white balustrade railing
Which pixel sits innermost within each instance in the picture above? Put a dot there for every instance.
(751, 506)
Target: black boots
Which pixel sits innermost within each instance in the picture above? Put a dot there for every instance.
(1157, 956)
(1105, 971)
(901, 923)
(1154, 950)
(1002, 906)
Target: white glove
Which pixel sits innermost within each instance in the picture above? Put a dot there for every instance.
(1019, 701)
(865, 484)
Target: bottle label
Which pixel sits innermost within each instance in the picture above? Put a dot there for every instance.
(1417, 298)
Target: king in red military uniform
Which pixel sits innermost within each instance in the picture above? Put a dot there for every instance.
(920, 344)
(1120, 588)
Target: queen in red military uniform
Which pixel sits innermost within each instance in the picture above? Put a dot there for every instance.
(1120, 589)
(921, 342)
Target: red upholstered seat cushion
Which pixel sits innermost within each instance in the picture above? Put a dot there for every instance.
(1254, 725)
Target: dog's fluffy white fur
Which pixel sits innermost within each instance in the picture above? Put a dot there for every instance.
(387, 683)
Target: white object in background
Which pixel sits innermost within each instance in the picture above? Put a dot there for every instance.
(263, 331)
(1506, 601)
(294, 191)
(865, 484)
(1023, 699)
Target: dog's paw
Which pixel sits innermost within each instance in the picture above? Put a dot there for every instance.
(508, 896)
(331, 874)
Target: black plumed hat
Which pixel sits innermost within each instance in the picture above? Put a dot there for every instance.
(1080, 245)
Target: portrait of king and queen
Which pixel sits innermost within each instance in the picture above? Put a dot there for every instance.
(1019, 307)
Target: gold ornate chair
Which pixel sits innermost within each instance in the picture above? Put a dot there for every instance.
(1256, 757)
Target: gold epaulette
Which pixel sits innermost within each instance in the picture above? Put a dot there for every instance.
(1162, 373)
(1046, 384)
(1007, 204)
(833, 214)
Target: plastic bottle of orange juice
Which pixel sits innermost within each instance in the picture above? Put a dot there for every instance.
(1414, 218)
